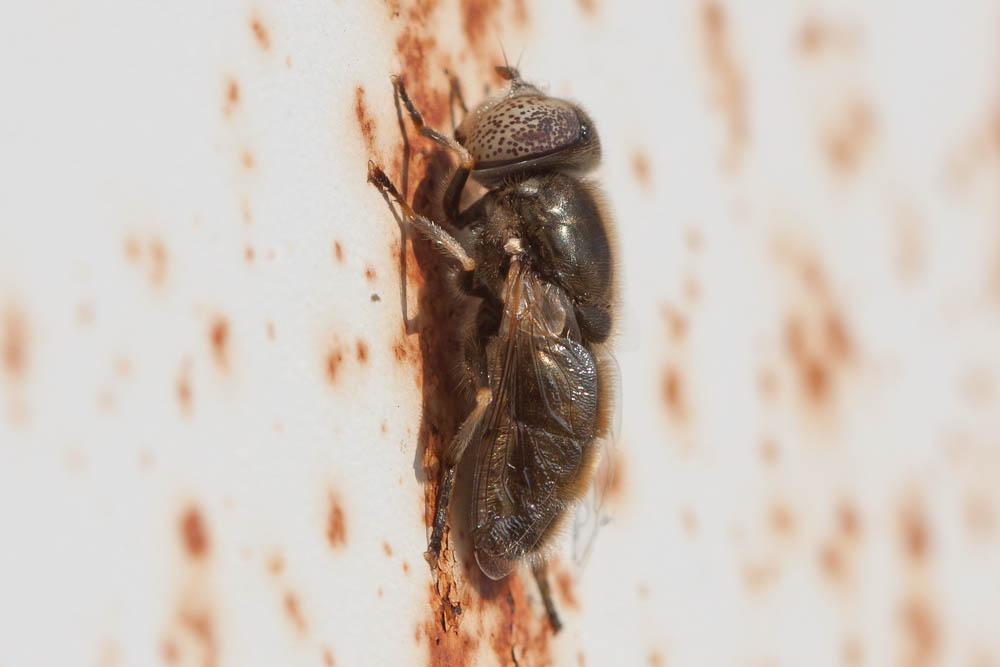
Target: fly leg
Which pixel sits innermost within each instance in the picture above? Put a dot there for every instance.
(542, 578)
(455, 95)
(438, 237)
(452, 456)
(453, 193)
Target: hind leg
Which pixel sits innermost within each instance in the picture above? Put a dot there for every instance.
(540, 573)
(474, 374)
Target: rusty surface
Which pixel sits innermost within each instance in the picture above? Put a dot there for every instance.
(220, 440)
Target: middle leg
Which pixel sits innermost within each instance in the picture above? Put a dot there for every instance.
(438, 237)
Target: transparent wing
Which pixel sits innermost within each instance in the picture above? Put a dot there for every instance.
(538, 439)
(593, 512)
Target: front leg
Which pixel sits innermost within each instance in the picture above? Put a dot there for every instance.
(453, 193)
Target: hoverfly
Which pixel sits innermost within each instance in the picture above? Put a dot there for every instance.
(535, 252)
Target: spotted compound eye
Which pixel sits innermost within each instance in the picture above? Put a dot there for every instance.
(523, 128)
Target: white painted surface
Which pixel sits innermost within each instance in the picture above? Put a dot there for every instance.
(116, 130)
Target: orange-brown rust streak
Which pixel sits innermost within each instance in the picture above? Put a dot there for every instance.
(219, 338)
(15, 343)
(847, 140)
(294, 611)
(729, 89)
(366, 123)
(260, 33)
(194, 535)
(336, 524)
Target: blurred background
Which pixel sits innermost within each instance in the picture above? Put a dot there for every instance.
(216, 433)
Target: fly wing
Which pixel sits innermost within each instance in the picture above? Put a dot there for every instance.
(538, 438)
(593, 512)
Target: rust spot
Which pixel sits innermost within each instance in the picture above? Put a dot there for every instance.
(260, 33)
(693, 239)
(832, 562)
(270, 330)
(406, 567)
(336, 526)
(193, 534)
(914, 534)
(817, 36)
(294, 612)
(169, 652)
(759, 575)
(338, 252)
(362, 351)
(133, 251)
(405, 349)
(852, 652)
(782, 520)
(333, 360)
(672, 391)
(387, 549)
(365, 122)
(15, 343)
(521, 635)
(106, 401)
(109, 655)
(977, 386)
(246, 213)
(849, 136)
(816, 338)
(122, 367)
(246, 159)
(231, 100)
(151, 255)
(848, 521)
(769, 452)
(812, 36)
(641, 170)
(193, 635)
(157, 262)
(85, 314)
(767, 384)
(677, 324)
(393, 8)
(521, 17)
(728, 90)
(921, 635)
(248, 254)
(328, 657)
(564, 582)
(476, 15)
(276, 564)
(689, 521)
(980, 516)
(183, 388)
(692, 289)
(451, 649)
(219, 338)
(370, 274)
(655, 659)
(588, 7)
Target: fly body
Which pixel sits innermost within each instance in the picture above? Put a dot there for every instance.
(535, 252)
